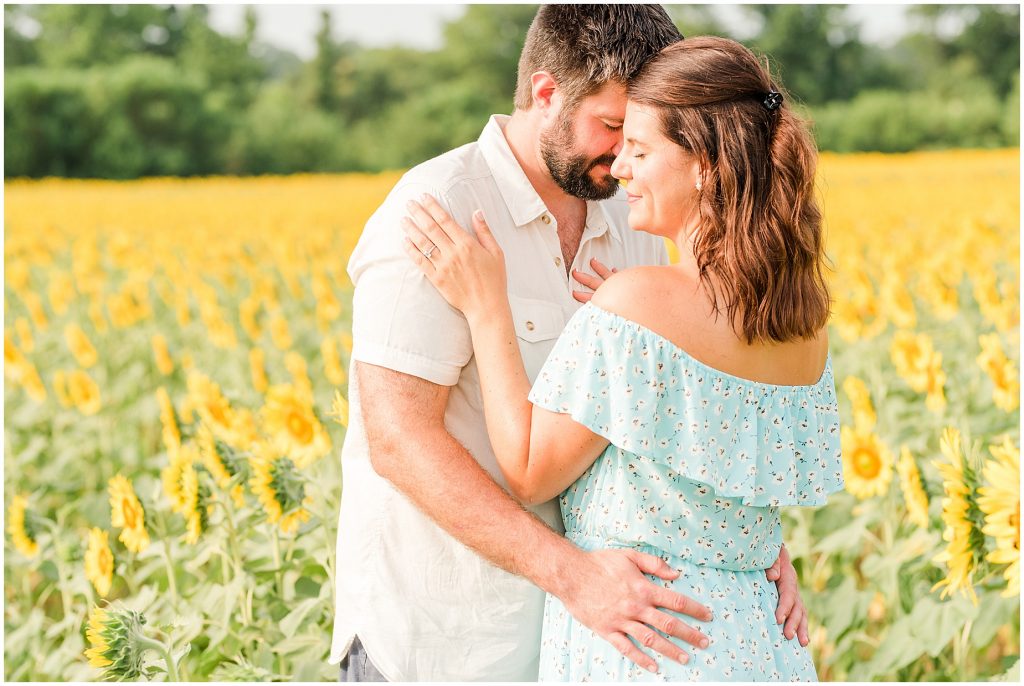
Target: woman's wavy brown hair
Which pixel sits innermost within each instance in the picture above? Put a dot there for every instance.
(759, 247)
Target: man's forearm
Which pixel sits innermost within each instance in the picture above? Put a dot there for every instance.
(450, 487)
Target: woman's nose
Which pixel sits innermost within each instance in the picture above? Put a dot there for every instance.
(620, 168)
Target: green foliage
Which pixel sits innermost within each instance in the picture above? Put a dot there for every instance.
(49, 124)
(156, 121)
(262, 109)
(891, 121)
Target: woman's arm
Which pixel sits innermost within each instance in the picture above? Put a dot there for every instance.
(539, 452)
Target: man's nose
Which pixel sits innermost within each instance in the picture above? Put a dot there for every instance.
(617, 148)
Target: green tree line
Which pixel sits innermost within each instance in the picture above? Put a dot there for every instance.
(122, 91)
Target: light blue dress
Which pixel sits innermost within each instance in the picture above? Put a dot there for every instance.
(699, 463)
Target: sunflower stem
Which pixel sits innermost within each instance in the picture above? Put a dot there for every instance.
(278, 578)
(58, 551)
(172, 585)
(147, 642)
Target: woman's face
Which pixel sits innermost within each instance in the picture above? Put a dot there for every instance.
(660, 176)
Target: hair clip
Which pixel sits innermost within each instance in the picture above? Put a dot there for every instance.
(772, 101)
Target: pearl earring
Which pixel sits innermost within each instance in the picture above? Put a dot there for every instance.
(697, 185)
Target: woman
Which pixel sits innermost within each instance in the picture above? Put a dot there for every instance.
(684, 404)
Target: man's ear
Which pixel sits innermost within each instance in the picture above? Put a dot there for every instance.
(544, 89)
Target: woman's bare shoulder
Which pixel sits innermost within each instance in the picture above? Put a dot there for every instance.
(645, 294)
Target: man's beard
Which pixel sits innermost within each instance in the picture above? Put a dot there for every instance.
(572, 172)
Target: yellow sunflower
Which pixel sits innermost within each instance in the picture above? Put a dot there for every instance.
(897, 303)
(84, 392)
(171, 475)
(999, 368)
(257, 369)
(127, 513)
(279, 333)
(935, 383)
(99, 561)
(60, 387)
(277, 483)
(911, 354)
(863, 412)
(32, 383)
(168, 421)
(914, 497)
(23, 533)
(288, 414)
(248, 310)
(24, 330)
(195, 505)
(113, 643)
(333, 368)
(1000, 501)
(80, 346)
(867, 463)
(296, 366)
(339, 409)
(164, 363)
(219, 463)
(213, 408)
(964, 540)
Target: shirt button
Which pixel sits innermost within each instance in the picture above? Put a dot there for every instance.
(529, 326)
(558, 261)
(545, 218)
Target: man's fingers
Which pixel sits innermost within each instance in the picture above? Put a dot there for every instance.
(631, 652)
(787, 599)
(774, 572)
(681, 604)
(793, 622)
(652, 640)
(652, 564)
(582, 296)
(801, 633)
(673, 626)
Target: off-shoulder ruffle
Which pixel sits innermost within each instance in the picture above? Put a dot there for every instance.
(767, 444)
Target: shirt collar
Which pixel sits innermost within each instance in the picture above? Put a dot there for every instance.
(521, 199)
(524, 205)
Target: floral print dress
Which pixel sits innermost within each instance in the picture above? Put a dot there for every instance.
(699, 463)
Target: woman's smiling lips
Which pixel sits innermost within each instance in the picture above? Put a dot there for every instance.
(630, 197)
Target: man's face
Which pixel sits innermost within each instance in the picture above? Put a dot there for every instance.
(580, 147)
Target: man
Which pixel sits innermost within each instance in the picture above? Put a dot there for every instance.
(435, 559)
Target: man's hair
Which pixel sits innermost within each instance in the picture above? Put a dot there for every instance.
(585, 46)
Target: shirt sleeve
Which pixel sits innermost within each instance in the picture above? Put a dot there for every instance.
(399, 320)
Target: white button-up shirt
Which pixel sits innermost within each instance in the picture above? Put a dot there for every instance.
(426, 607)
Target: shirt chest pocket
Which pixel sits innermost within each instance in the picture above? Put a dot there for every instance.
(536, 320)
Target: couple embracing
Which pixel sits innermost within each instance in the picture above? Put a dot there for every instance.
(535, 488)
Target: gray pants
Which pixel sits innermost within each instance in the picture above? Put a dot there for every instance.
(356, 666)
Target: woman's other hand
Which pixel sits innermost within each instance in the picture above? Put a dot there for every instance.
(468, 270)
(591, 281)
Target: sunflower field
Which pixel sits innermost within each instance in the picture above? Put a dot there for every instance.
(175, 371)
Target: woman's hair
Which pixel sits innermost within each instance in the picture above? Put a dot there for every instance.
(760, 235)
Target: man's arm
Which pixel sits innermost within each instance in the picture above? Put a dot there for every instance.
(605, 590)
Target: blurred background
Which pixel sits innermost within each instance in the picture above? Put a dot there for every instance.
(136, 90)
(184, 186)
